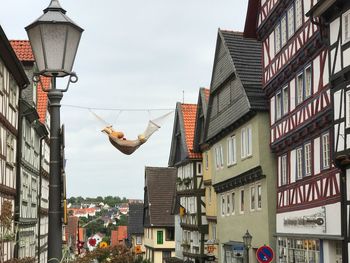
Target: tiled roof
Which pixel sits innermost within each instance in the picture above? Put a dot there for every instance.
(206, 93)
(24, 53)
(42, 102)
(122, 233)
(189, 117)
(135, 218)
(246, 54)
(23, 50)
(160, 185)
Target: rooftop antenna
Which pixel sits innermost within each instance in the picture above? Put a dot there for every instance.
(183, 96)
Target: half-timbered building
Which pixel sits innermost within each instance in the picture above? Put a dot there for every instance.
(13, 79)
(31, 148)
(199, 145)
(158, 221)
(296, 81)
(333, 17)
(242, 173)
(190, 186)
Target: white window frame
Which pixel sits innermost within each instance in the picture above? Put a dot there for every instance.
(284, 35)
(252, 194)
(285, 100)
(258, 196)
(221, 156)
(223, 205)
(299, 86)
(308, 158)
(325, 151)
(284, 170)
(307, 88)
(228, 203)
(299, 163)
(346, 27)
(279, 105)
(277, 33)
(233, 200)
(241, 198)
(291, 21)
(243, 143)
(299, 14)
(249, 141)
(206, 161)
(231, 150)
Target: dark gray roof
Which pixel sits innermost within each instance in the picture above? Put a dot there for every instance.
(201, 116)
(236, 85)
(246, 55)
(135, 219)
(160, 183)
(10, 60)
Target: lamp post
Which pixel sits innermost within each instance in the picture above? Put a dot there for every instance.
(54, 39)
(247, 240)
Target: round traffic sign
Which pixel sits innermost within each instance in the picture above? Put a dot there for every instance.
(264, 254)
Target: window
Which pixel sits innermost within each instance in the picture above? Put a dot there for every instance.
(246, 142)
(325, 151)
(259, 205)
(159, 237)
(233, 202)
(228, 205)
(300, 84)
(241, 208)
(284, 30)
(282, 102)
(299, 163)
(285, 100)
(206, 161)
(199, 168)
(298, 14)
(290, 21)
(346, 27)
(252, 198)
(223, 208)
(304, 84)
(278, 105)
(307, 157)
(277, 38)
(347, 109)
(219, 159)
(308, 82)
(10, 149)
(290, 15)
(138, 240)
(283, 176)
(231, 150)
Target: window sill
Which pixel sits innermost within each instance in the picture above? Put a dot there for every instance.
(246, 157)
(231, 165)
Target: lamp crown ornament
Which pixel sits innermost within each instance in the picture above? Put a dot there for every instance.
(54, 6)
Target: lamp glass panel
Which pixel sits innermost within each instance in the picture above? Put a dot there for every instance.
(72, 47)
(54, 37)
(37, 46)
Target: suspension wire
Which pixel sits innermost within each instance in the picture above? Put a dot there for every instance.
(117, 109)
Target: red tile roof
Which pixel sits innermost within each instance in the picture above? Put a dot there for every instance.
(42, 100)
(23, 50)
(122, 233)
(206, 93)
(24, 53)
(189, 116)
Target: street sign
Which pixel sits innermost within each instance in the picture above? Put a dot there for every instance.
(264, 254)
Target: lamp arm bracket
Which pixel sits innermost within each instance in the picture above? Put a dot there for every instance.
(73, 78)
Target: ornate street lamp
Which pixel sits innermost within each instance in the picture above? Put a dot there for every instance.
(247, 240)
(54, 39)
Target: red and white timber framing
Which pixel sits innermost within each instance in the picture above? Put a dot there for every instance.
(273, 63)
(265, 10)
(309, 192)
(310, 109)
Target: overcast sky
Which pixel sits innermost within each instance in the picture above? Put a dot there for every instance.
(134, 54)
